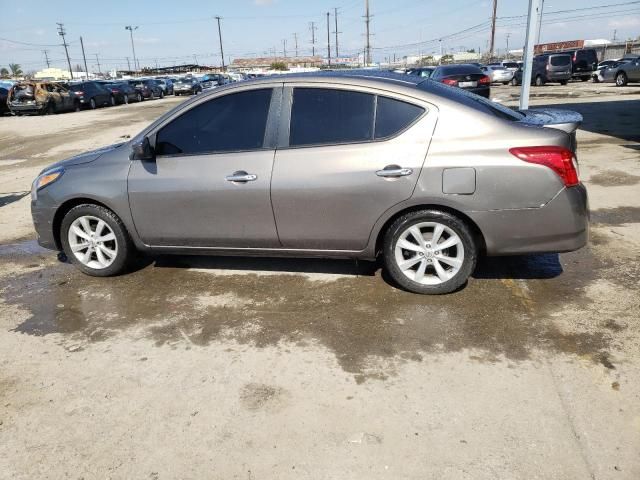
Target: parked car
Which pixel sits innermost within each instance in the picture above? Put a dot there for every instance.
(498, 74)
(467, 77)
(622, 73)
(430, 177)
(597, 73)
(147, 88)
(547, 68)
(166, 84)
(187, 86)
(41, 98)
(509, 65)
(123, 92)
(4, 96)
(583, 63)
(92, 94)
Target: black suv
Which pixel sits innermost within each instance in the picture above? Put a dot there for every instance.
(92, 94)
(583, 63)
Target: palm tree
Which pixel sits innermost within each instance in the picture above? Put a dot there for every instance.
(16, 71)
(4, 73)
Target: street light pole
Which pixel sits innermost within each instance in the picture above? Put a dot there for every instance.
(534, 11)
(131, 28)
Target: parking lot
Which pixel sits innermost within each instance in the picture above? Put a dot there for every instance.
(221, 367)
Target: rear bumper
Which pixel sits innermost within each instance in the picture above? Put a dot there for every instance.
(26, 108)
(557, 77)
(562, 225)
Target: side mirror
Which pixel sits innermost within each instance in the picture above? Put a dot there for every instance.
(143, 151)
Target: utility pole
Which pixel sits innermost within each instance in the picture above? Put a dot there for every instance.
(295, 39)
(98, 62)
(284, 48)
(62, 33)
(136, 65)
(335, 15)
(220, 39)
(508, 35)
(86, 69)
(493, 29)
(46, 57)
(614, 35)
(367, 20)
(195, 59)
(128, 64)
(328, 41)
(534, 10)
(313, 38)
(539, 19)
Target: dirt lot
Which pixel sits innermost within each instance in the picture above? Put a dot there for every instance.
(242, 368)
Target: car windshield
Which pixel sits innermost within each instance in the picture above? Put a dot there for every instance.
(560, 60)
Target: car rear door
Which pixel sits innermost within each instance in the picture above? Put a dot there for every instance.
(345, 156)
(209, 183)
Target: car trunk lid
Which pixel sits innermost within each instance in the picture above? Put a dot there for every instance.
(565, 120)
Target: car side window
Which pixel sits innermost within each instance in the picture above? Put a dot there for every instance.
(327, 116)
(393, 116)
(234, 122)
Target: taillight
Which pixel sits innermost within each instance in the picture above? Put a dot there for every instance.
(450, 81)
(79, 93)
(484, 80)
(547, 67)
(559, 159)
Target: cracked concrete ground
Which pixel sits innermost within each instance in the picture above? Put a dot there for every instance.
(205, 367)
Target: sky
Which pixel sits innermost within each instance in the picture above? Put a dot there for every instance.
(174, 32)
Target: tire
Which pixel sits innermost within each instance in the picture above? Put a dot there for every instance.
(514, 82)
(139, 97)
(112, 101)
(126, 99)
(76, 106)
(564, 82)
(584, 79)
(92, 104)
(121, 243)
(438, 276)
(161, 94)
(539, 81)
(621, 79)
(505, 83)
(50, 109)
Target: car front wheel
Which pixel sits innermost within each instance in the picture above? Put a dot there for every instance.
(96, 241)
(429, 252)
(92, 104)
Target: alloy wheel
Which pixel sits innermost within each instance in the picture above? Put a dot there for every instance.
(93, 242)
(429, 253)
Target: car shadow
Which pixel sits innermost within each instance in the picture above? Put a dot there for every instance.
(522, 267)
(6, 199)
(616, 118)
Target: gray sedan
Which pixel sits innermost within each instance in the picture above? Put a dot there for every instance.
(498, 74)
(622, 73)
(356, 165)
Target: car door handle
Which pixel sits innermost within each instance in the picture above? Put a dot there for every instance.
(241, 176)
(393, 171)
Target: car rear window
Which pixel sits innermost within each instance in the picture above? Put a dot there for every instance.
(510, 65)
(327, 116)
(457, 70)
(393, 116)
(560, 60)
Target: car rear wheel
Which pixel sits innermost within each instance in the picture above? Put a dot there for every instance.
(76, 106)
(539, 81)
(112, 100)
(96, 241)
(429, 252)
(126, 99)
(563, 82)
(621, 79)
(161, 93)
(92, 104)
(514, 82)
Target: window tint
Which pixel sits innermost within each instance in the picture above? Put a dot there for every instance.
(559, 60)
(325, 116)
(392, 116)
(230, 123)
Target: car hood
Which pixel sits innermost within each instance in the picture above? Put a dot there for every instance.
(85, 157)
(565, 120)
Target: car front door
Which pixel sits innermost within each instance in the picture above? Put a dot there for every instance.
(348, 157)
(209, 183)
